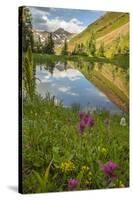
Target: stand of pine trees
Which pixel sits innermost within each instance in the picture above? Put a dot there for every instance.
(49, 45)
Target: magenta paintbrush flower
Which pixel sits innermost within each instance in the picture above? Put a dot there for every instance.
(72, 184)
(109, 169)
(85, 121)
(91, 122)
(82, 126)
(81, 115)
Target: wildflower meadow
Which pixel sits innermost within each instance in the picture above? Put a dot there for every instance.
(66, 150)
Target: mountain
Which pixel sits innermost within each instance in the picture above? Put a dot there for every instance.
(60, 31)
(40, 35)
(58, 36)
(106, 29)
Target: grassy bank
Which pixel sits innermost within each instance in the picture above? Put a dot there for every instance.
(121, 60)
(55, 150)
(48, 57)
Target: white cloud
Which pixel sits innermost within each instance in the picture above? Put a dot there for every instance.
(73, 25)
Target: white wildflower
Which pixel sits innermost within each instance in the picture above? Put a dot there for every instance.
(123, 121)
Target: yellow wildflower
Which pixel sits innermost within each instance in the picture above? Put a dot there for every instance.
(121, 184)
(84, 169)
(88, 182)
(90, 174)
(67, 166)
(104, 151)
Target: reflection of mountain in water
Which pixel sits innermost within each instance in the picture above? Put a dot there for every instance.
(110, 79)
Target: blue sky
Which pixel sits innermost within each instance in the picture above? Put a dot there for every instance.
(72, 20)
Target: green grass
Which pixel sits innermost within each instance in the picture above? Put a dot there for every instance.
(51, 137)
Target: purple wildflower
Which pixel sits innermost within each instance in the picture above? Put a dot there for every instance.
(82, 126)
(91, 122)
(109, 169)
(72, 184)
(81, 115)
(85, 121)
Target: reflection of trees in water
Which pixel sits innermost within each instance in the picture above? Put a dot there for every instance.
(50, 65)
(113, 73)
(89, 66)
(79, 64)
(116, 69)
(65, 65)
(99, 66)
(126, 76)
(40, 67)
(123, 73)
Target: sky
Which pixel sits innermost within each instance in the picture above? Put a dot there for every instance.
(71, 20)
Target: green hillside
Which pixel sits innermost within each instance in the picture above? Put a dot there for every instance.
(106, 24)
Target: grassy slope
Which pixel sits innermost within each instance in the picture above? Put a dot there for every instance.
(124, 44)
(107, 23)
(113, 35)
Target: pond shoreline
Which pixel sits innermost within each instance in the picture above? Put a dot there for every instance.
(120, 60)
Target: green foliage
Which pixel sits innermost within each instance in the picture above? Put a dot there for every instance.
(119, 47)
(28, 75)
(79, 49)
(49, 45)
(92, 45)
(89, 49)
(25, 23)
(42, 180)
(101, 50)
(65, 48)
(39, 45)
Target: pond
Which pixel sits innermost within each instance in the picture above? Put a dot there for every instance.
(77, 84)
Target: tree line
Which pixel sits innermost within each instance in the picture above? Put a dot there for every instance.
(89, 48)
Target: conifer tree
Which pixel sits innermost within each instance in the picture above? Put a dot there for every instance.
(49, 45)
(65, 48)
(101, 50)
(92, 45)
(26, 24)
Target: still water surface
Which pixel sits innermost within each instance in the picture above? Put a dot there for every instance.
(70, 86)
